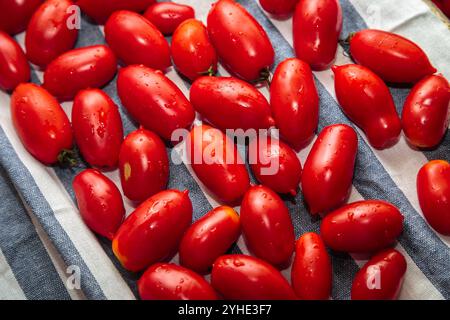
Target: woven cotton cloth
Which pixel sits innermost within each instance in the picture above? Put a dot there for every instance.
(44, 243)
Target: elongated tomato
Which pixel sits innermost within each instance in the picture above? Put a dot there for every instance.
(278, 7)
(143, 164)
(267, 226)
(40, 123)
(99, 201)
(153, 231)
(192, 52)
(241, 277)
(311, 272)
(154, 101)
(317, 26)
(237, 104)
(367, 101)
(403, 60)
(167, 16)
(49, 33)
(135, 40)
(15, 14)
(426, 113)
(240, 41)
(381, 277)
(328, 172)
(433, 188)
(97, 128)
(294, 102)
(208, 238)
(362, 226)
(14, 68)
(88, 67)
(216, 162)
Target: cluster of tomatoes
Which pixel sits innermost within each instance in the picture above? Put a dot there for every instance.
(161, 224)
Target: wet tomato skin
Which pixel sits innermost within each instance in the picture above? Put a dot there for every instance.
(167, 16)
(362, 226)
(99, 201)
(40, 122)
(242, 277)
(328, 171)
(153, 231)
(14, 68)
(433, 188)
(426, 113)
(390, 266)
(311, 273)
(15, 14)
(278, 7)
(143, 165)
(267, 226)
(208, 238)
(367, 101)
(403, 60)
(240, 41)
(192, 52)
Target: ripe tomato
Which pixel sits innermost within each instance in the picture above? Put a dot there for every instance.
(82, 68)
(153, 231)
(294, 102)
(328, 172)
(237, 104)
(48, 34)
(317, 26)
(97, 128)
(167, 281)
(426, 113)
(216, 162)
(240, 41)
(403, 60)
(15, 14)
(143, 164)
(192, 53)
(154, 101)
(99, 201)
(367, 101)
(278, 7)
(362, 226)
(433, 188)
(41, 123)
(14, 68)
(241, 277)
(135, 40)
(208, 238)
(167, 16)
(381, 277)
(311, 272)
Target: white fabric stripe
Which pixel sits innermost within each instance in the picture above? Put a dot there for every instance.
(9, 287)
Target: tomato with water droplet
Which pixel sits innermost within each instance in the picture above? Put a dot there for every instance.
(15, 14)
(14, 68)
(278, 7)
(167, 16)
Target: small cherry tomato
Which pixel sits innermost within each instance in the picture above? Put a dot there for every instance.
(216, 162)
(241, 277)
(311, 273)
(328, 172)
(403, 60)
(278, 7)
(143, 164)
(14, 68)
(167, 281)
(240, 41)
(426, 113)
(82, 68)
(208, 238)
(237, 104)
(295, 102)
(135, 40)
(381, 277)
(367, 101)
(362, 226)
(41, 123)
(167, 16)
(153, 231)
(15, 14)
(48, 34)
(99, 201)
(433, 188)
(317, 26)
(154, 101)
(192, 53)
